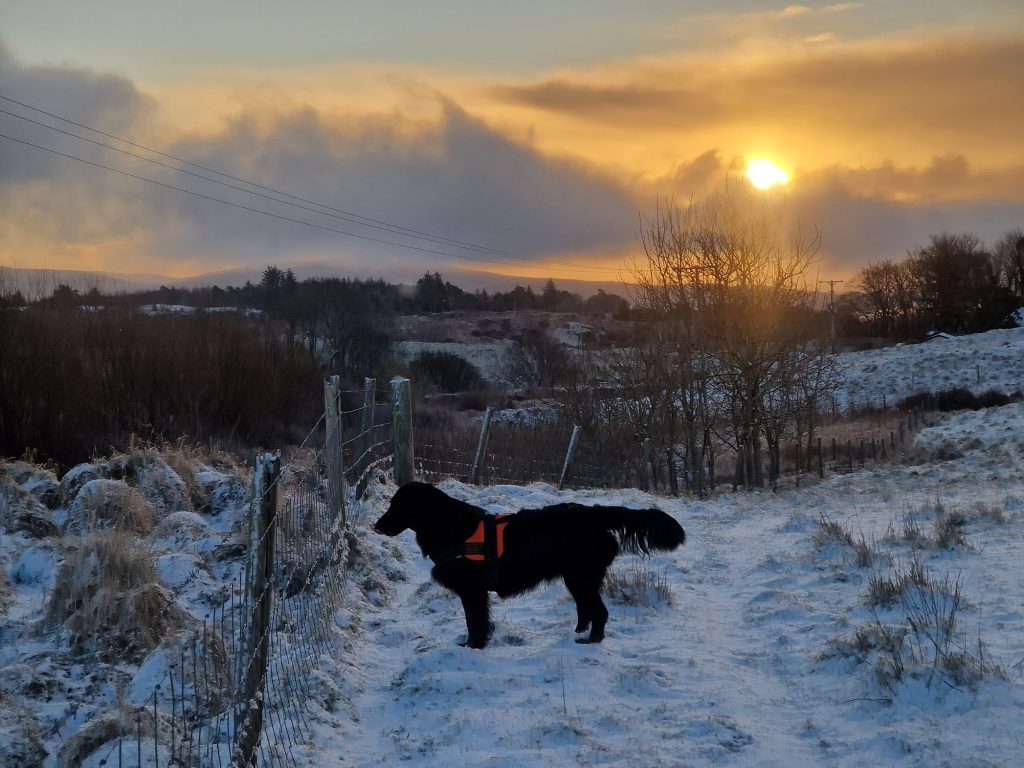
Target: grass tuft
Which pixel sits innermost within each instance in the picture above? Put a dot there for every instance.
(107, 598)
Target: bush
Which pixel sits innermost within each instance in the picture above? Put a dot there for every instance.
(445, 372)
(76, 383)
(957, 399)
(107, 597)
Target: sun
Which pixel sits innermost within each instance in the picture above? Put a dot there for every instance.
(763, 173)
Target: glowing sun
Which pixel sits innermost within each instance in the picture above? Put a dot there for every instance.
(764, 173)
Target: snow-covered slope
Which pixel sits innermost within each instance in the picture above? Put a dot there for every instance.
(979, 362)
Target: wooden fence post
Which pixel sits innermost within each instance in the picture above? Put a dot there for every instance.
(364, 442)
(255, 640)
(569, 455)
(401, 430)
(481, 448)
(333, 464)
(645, 465)
(709, 452)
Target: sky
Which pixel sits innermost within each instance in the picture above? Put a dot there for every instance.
(525, 138)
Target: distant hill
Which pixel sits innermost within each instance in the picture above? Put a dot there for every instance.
(34, 283)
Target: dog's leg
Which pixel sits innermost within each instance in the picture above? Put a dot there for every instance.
(579, 593)
(594, 606)
(479, 627)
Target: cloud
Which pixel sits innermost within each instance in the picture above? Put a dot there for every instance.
(855, 103)
(794, 10)
(452, 175)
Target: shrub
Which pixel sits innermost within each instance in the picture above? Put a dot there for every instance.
(927, 644)
(830, 531)
(948, 529)
(957, 399)
(74, 383)
(107, 598)
(110, 504)
(886, 591)
(637, 586)
(445, 372)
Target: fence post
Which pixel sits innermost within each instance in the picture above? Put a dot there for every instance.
(255, 641)
(401, 430)
(569, 455)
(645, 465)
(332, 449)
(821, 461)
(364, 442)
(481, 447)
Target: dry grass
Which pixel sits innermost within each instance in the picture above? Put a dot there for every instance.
(107, 598)
(110, 504)
(831, 531)
(886, 591)
(927, 644)
(638, 586)
(182, 458)
(6, 591)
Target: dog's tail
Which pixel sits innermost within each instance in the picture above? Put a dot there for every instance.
(640, 531)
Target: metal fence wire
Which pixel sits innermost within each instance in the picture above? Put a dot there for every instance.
(236, 689)
(201, 705)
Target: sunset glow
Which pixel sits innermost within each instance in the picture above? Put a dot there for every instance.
(438, 140)
(764, 173)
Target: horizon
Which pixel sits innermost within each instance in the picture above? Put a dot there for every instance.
(524, 143)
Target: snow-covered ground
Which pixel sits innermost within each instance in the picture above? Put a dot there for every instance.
(752, 658)
(979, 362)
(793, 629)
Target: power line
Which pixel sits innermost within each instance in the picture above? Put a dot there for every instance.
(551, 264)
(440, 241)
(289, 218)
(380, 222)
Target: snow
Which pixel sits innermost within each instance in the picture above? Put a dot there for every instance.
(979, 362)
(739, 667)
(755, 644)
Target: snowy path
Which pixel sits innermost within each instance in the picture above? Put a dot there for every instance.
(702, 681)
(739, 667)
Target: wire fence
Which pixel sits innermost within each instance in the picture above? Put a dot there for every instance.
(518, 453)
(235, 689)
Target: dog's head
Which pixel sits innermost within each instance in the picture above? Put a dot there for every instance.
(404, 508)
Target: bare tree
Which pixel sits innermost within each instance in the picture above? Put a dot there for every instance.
(1008, 256)
(732, 294)
(887, 298)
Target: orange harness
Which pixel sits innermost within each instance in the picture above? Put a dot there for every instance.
(477, 546)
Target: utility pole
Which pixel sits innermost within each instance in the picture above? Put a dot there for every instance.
(832, 305)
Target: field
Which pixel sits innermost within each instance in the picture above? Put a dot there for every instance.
(872, 618)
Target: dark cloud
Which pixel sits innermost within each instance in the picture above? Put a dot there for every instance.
(633, 104)
(455, 177)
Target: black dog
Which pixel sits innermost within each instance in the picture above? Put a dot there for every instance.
(474, 552)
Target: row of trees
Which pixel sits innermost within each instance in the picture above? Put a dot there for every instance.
(954, 284)
(732, 349)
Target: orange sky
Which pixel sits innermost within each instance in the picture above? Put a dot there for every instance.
(892, 127)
